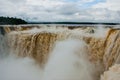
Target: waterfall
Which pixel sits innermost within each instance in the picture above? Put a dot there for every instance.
(81, 53)
(112, 48)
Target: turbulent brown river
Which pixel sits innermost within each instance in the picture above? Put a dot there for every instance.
(59, 53)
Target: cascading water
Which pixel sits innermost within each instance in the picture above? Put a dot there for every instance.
(3, 46)
(52, 53)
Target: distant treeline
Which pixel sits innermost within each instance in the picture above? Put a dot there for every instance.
(11, 21)
(86, 23)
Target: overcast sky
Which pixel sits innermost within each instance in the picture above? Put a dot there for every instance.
(62, 10)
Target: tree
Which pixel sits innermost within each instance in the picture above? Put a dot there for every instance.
(11, 21)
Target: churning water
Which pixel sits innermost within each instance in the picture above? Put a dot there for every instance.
(59, 54)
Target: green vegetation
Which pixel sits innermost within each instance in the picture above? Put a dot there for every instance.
(11, 21)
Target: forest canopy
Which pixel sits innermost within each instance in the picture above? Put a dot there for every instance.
(11, 20)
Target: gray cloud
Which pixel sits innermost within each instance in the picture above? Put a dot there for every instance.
(56, 10)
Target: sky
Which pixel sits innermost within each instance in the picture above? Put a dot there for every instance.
(62, 10)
